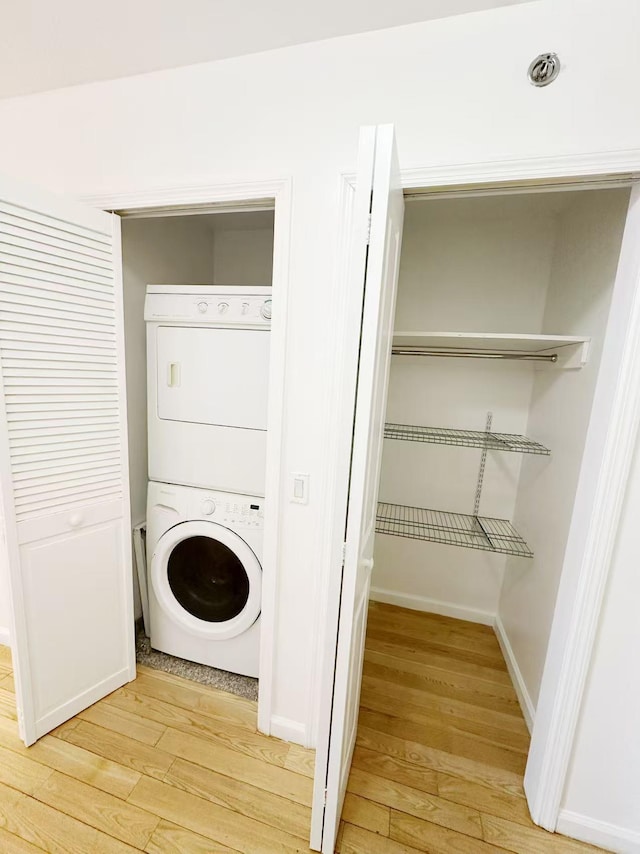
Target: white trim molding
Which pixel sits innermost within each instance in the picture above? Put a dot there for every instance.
(608, 836)
(277, 194)
(524, 698)
(432, 606)
(288, 730)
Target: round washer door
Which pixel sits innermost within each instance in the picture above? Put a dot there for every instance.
(207, 579)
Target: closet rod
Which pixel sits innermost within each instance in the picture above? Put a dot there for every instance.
(474, 354)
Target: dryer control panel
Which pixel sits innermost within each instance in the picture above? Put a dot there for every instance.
(209, 305)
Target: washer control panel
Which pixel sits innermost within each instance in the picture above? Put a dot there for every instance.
(240, 511)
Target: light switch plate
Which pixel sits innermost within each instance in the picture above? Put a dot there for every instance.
(299, 488)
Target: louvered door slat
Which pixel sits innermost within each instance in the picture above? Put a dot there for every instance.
(98, 292)
(47, 397)
(39, 220)
(14, 228)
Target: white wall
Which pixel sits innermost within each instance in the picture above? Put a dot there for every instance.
(243, 248)
(602, 797)
(159, 251)
(295, 112)
(587, 248)
(470, 265)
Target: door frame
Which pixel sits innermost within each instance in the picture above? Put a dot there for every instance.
(579, 603)
(249, 195)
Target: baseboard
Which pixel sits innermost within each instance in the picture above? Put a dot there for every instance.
(528, 709)
(4, 637)
(288, 730)
(431, 606)
(601, 833)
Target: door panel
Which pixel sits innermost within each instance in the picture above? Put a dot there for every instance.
(213, 376)
(63, 455)
(375, 273)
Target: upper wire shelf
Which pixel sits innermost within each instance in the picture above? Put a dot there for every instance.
(454, 529)
(465, 438)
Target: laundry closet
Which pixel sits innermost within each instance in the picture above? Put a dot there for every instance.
(501, 313)
(197, 315)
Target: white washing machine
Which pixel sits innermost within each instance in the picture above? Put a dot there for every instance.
(207, 385)
(204, 575)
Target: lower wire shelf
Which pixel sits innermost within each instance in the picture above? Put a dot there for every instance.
(454, 529)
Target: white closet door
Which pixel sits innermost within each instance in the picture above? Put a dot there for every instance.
(63, 455)
(376, 268)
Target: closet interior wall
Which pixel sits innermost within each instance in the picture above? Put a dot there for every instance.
(206, 249)
(541, 263)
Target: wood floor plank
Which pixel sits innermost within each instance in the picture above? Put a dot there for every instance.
(71, 760)
(241, 797)
(455, 634)
(426, 836)
(415, 802)
(7, 683)
(406, 650)
(104, 812)
(433, 644)
(5, 655)
(445, 679)
(366, 813)
(11, 844)
(216, 730)
(301, 760)
(355, 840)
(441, 738)
(216, 704)
(436, 721)
(509, 836)
(169, 838)
(468, 696)
(484, 799)
(8, 704)
(443, 706)
(54, 832)
(399, 615)
(152, 761)
(21, 772)
(125, 722)
(234, 700)
(271, 778)
(212, 821)
(396, 769)
(439, 760)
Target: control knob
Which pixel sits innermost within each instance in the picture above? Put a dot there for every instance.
(223, 307)
(265, 311)
(203, 306)
(208, 507)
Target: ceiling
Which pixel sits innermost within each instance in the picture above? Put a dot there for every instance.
(48, 44)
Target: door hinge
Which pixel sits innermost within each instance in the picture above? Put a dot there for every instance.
(344, 552)
(369, 230)
(324, 798)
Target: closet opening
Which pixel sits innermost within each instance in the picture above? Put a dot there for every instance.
(501, 315)
(197, 311)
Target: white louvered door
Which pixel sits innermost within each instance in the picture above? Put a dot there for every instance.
(63, 455)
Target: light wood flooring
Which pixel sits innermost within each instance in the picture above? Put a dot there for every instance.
(166, 765)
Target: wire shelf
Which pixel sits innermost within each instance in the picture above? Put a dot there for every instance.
(454, 529)
(465, 438)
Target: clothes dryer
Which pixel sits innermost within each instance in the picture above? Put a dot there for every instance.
(205, 576)
(207, 385)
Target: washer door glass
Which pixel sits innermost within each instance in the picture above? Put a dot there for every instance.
(208, 579)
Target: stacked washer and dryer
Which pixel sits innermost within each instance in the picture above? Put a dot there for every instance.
(208, 367)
